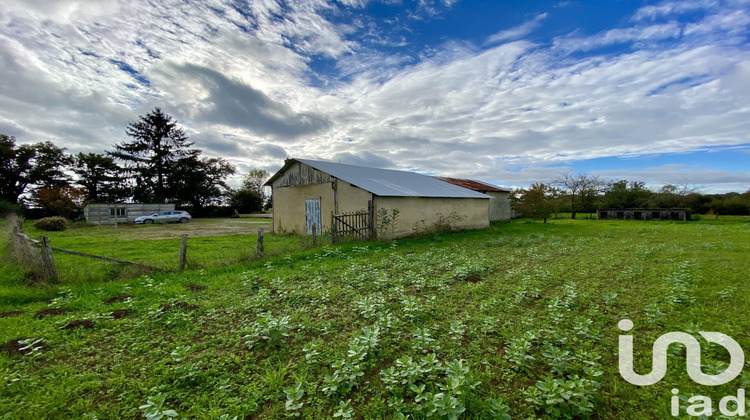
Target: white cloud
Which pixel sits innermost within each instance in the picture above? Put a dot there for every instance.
(619, 36)
(672, 8)
(517, 32)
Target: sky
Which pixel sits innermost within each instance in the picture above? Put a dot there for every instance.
(509, 92)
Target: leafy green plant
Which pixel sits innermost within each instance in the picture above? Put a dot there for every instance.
(560, 398)
(423, 340)
(180, 353)
(559, 359)
(457, 330)
(154, 408)
(386, 222)
(517, 351)
(610, 298)
(185, 370)
(344, 410)
(311, 352)
(347, 371)
(293, 396)
(499, 409)
(419, 379)
(269, 329)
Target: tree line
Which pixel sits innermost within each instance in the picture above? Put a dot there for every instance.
(584, 193)
(157, 164)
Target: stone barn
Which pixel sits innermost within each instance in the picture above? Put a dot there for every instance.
(499, 206)
(307, 192)
(643, 214)
(107, 214)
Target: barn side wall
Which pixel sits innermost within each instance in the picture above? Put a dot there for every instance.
(499, 205)
(423, 213)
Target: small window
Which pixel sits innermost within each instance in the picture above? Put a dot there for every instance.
(638, 215)
(655, 215)
(620, 214)
(121, 212)
(602, 214)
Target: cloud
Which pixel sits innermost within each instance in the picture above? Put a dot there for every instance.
(63, 11)
(672, 8)
(235, 104)
(517, 32)
(649, 33)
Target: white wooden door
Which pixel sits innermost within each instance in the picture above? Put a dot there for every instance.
(312, 214)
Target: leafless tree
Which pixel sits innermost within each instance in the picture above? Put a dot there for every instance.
(582, 189)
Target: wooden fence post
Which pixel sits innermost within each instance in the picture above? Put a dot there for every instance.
(334, 237)
(315, 235)
(371, 220)
(183, 252)
(48, 261)
(260, 240)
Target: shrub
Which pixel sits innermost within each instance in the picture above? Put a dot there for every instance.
(51, 224)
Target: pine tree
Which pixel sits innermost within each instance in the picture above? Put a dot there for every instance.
(157, 144)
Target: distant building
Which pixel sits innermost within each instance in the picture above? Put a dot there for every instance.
(643, 214)
(107, 213)
(499, 206)
(307, 192)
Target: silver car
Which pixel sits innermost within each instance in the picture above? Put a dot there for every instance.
(164, 217)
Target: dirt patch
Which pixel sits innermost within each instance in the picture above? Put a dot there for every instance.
(195, 228)
(118, 298)
(81, 323)
(120, 313)
(14, 346)
(195, 287)
(172, 306)
(50, 311)
(473, 279)
(11, 313)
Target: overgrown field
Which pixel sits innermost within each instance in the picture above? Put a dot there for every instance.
(519, 319)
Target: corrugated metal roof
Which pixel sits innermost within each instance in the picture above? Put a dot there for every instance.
(472, 184)
(386, 182)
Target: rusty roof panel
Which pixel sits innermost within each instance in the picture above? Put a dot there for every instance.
(471, 184)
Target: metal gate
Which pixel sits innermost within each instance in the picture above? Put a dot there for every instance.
(312, 215)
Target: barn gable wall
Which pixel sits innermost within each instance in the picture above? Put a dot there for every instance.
(300, 174)
(289, 204)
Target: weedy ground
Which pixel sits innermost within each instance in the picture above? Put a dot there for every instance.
(518, 320)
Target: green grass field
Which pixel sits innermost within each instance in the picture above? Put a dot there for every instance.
(517, 320)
